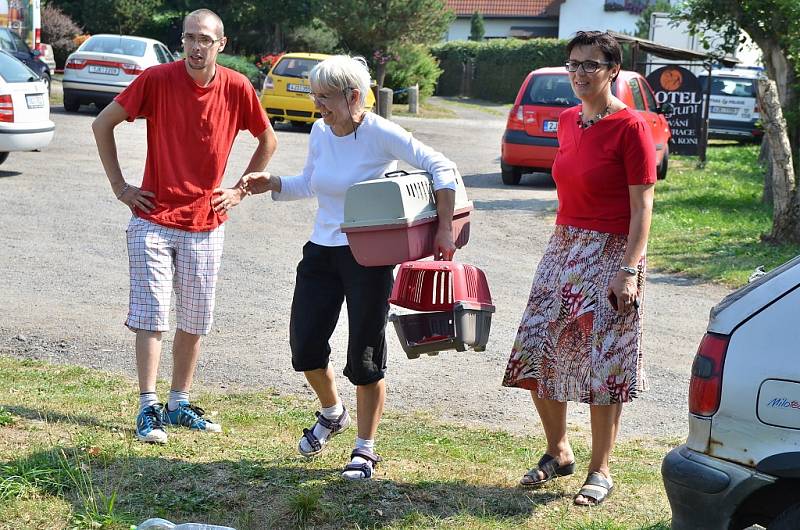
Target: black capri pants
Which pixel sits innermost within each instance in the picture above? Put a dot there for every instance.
(327, 276)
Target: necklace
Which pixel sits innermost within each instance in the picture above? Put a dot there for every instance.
(599, 116)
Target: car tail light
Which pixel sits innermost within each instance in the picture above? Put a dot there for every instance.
(76, 64)
(37, 38)
(131, 68)
(705, 387)
(269, 84)
(6, 108)
(516, 119)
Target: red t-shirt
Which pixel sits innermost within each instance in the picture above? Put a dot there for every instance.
(190, 133)
(594, 167)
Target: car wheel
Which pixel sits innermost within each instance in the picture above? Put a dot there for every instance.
(511, 174)
(3, 157)
(71, 103)
(661, 173)
(787, 520)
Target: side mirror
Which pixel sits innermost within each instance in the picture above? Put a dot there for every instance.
(666, 109)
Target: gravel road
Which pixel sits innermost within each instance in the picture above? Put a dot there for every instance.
(64, 283)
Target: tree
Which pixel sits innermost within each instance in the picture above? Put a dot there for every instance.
(376, 29)
(643, 24)
(476, 29)
(774, 25)
(110, 16)
(59, 30)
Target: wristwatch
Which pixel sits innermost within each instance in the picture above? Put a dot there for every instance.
(630, 270)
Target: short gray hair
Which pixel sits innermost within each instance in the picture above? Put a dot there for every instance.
(206, 13)
(341, 72)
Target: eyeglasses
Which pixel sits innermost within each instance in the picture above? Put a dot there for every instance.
(325, 98)
(589, 67)
(204, 41)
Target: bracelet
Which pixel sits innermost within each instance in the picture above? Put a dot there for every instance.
(630, 270)
(124, 189)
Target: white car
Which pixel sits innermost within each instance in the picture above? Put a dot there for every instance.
(740, 465)
(24, 108)
(104, 65)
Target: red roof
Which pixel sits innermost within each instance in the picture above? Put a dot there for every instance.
(503, 8)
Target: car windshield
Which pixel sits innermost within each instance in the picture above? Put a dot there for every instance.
(549, 89)
(113, 44)
(14, 71)
(730, 86)
(294, 67)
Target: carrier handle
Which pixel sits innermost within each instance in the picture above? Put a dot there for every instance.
(403, 173)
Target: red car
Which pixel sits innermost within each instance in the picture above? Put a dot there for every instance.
(530, 143)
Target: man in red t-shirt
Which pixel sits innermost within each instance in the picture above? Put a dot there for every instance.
(194, 109)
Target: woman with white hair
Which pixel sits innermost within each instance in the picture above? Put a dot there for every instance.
(348, 145)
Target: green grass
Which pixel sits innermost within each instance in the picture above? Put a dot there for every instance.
(708, 223)
(68, 460)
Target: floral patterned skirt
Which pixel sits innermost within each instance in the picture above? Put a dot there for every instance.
(571, 344)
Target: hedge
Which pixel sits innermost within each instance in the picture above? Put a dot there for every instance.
(243, 65)
(499, 65)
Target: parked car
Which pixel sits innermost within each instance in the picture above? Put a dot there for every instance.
(733, 112)
(529, 143)
(285, 94)
(13, 44)
(46, 55)
(740, 465)
(24, 108)
(104, 65)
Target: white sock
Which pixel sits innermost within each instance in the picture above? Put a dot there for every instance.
(360, 444)
(175, 397)
(146, 399)
(319, 431)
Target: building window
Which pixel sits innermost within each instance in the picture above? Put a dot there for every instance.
(634, 7)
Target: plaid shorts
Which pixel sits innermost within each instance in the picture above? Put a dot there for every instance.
(163, 259)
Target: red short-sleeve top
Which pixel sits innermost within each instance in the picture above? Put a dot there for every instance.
(594, 167)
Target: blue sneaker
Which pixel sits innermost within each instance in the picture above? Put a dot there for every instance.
(150, 425)
(191, 416)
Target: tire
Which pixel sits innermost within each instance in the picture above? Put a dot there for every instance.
(71, 103)
(788, 519)
(3, 156)
(47, 83)
(661, 172)
(511, 175)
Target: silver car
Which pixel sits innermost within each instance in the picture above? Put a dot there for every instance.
(104, 65)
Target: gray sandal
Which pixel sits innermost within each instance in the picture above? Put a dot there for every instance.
(366, 468)
(596, 488)
(549, 469)
(334, 426)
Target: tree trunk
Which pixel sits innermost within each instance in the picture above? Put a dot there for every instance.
(786, 200)
(766, 162)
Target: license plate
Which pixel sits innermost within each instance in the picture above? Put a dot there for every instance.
(550, 126)
(105, 70)
(724, 110)
(294, 87)
(34, 101)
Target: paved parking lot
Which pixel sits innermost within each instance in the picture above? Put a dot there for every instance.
(64, 279)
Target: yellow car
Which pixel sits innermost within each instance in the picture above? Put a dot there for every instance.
(286, 89)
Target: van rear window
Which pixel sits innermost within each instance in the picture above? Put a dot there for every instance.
(550, 89)
(730, 86)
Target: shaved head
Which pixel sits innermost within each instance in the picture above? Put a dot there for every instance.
(201, 14)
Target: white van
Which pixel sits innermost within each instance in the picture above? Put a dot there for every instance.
(733, 113)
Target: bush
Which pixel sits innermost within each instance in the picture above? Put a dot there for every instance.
(242, 65)
(316, 37)
(59, 31)
(498, 66)
(414, 65)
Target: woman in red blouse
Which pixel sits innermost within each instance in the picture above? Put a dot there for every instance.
(580, 336)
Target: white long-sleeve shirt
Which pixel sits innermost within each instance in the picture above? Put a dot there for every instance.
(335, 163)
